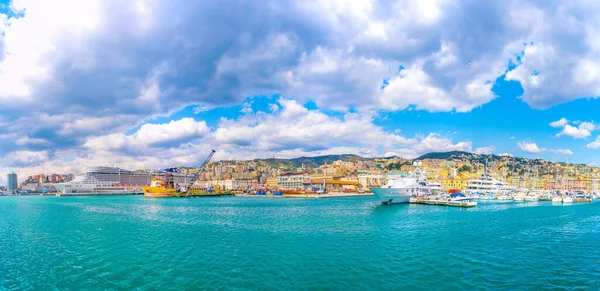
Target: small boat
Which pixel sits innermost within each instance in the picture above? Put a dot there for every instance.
(567, 199)
(504, 198)
(557, 199)
(519, 197)
(546, 196)
(531, 197)
(582, 197)
(460, 200)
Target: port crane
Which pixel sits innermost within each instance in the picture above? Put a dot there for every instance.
(201, 166)
(203, 163)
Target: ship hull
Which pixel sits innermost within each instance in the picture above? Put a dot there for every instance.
(158, 194)
(392, 195)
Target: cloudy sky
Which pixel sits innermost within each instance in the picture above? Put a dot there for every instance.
(151, 83)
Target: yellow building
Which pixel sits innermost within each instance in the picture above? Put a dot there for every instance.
(454, 183)
(444, 172)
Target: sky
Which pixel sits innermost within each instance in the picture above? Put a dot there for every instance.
(152, 84)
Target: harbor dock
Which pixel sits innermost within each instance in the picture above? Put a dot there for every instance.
(442, 202)
(309, 195)
(90, 194)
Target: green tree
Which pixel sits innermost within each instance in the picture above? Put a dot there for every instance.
(465, 168)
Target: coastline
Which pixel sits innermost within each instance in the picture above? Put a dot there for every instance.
(312, 196)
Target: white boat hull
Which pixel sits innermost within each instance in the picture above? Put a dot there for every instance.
(392, 195)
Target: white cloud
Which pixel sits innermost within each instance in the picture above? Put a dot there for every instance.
(200, 108)
(25, 158)
(559, 123)
(583, 131)
(562, 151)
(530, 147)
(589, 126)
(485, 150)
(291, 131)
(25, 140)
(595, 144)
(149, 135)
(295, 126)
(413, 86)
(87, 76)
(574, 132)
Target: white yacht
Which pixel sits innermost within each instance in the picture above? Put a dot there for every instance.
(486, 187)
(435, 187)
(532, 196)
(505, 197)
(519, 197)
(401, 189)
(117, 180)
(546, 195)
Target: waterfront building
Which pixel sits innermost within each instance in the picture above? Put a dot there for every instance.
(334, 185)
(371, 180)
(293, 181)
(12, 181)
(34, 187)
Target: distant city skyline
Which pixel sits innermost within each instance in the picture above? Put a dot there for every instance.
(248, 171)
(253, 79)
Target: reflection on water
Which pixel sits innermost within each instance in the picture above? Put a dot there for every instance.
(82, 243)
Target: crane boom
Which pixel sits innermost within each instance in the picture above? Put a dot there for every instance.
(201, 165)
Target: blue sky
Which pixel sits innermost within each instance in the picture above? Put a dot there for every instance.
(107, 82)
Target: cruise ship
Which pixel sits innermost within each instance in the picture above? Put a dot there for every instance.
(401, 189)
(113, 180)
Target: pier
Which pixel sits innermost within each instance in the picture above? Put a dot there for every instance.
(90, 194)
(443, 202)
(309, 195)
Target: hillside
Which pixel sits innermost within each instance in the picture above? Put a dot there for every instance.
(446, 155)
(314, 162)
(311, 162)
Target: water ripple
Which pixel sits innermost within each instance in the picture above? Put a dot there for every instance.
(123, 243)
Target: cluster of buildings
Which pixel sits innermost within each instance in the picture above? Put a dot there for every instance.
(40, 183)
(452, 173)
(517, 172)
(355, 173)
(52, 178)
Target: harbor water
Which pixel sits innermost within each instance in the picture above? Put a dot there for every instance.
(248, 243)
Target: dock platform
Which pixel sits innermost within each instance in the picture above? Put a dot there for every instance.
(443, 202)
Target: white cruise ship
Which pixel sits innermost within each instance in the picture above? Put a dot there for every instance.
(401, 189)
(117, 180)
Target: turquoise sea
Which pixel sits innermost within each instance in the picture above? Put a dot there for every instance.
(128, 242)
